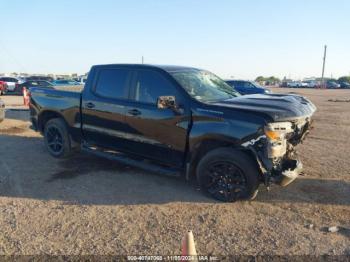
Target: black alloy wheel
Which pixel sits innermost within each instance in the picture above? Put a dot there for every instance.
(54, 140)
(57, 138)
(228, 175)
(226, 182)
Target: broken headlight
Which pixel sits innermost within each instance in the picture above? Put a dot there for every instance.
(276, 138)
(277, 131)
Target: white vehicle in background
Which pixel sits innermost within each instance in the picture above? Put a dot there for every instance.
(11, 82)
(81, 79)
(311, 83)
(295, 84)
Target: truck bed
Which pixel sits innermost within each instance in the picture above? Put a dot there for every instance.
(58, 98)
(62, 102)
(77, 89)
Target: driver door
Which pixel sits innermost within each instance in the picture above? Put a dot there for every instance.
(156, 133)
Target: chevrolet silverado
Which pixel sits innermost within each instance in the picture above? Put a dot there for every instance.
(178, 121)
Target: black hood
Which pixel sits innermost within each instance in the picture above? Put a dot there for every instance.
(280, 107)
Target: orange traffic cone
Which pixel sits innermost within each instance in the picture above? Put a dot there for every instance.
(25, 97)
(188, 246)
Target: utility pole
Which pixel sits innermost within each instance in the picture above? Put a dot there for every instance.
(323, 66)
(142, 59)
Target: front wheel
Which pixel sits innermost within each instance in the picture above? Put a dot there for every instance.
(228, 175)
(57, 139)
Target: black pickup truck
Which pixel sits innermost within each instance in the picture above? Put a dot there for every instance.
(178, 121)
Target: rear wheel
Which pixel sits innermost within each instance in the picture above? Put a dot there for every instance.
(57, 139)
(228, 175)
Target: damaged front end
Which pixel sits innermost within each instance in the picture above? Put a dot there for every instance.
(275, 150)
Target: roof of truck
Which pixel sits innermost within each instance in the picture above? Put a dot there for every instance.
(168, 68)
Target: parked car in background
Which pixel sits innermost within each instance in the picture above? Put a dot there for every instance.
(247, 87)
(182, 121)
(311, 83)
(292, 84)
(81, 80)
(32, 83)
(37, 78)
(10, 81)
(2, 110)
(332, 84)
(3, 88)
(65, 83)
(297, 84)
(344, 84)
(284, 84)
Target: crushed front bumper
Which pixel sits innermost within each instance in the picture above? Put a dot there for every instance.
(282, 172)
(277, 159)
(291, 169)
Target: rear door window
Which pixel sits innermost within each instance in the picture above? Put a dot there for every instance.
(112, 83)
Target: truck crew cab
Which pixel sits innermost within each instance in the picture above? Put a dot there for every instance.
(183, 121)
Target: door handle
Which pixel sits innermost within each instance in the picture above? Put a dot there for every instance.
(134, 112)
(90, 105)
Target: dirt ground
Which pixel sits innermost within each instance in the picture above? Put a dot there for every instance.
(87, 205)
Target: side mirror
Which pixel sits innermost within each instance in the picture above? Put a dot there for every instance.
(165, 102)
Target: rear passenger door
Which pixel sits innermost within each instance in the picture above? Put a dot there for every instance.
(103, 108)
(158, 134)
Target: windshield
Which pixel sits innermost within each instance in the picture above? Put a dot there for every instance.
(204, 86)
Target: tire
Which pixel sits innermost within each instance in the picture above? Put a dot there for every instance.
(57, 139)
(228, 175)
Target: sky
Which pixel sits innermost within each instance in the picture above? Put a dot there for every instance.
(232, 38)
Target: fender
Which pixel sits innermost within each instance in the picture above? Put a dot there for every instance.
(212, 129)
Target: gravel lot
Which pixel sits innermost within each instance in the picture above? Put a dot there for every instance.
(87, 205)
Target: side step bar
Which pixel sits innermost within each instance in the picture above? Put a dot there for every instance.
(124, 159)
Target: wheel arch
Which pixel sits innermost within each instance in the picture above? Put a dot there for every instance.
(202, 147)
(47, 115)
